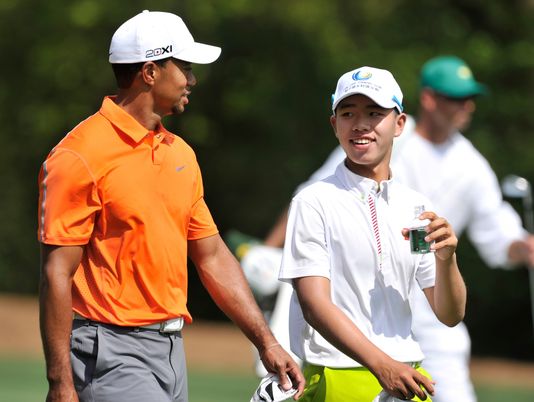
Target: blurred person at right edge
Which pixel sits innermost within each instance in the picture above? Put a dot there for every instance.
(434, 158)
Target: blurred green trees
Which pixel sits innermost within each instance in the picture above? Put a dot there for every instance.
(258, 118)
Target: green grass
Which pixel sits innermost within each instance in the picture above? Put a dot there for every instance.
(22, 380)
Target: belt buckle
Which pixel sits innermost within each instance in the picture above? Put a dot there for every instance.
(173, 325)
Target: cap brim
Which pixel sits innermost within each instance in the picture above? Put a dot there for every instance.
(481, 89)
(386, 104)
(199, 53)
(461, 92)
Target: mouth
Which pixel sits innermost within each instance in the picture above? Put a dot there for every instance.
(185, 96)
(361, 141)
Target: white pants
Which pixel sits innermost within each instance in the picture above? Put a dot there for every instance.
(447, 352)
(456, 387)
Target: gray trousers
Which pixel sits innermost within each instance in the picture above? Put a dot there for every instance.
(116, 364)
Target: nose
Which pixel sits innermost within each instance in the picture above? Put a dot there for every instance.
(191, 79)
(361, 124)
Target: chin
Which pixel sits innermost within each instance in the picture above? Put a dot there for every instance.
(177, 110)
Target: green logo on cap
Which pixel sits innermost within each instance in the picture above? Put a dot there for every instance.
(464, 73)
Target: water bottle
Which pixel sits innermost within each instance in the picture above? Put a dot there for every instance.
(417, 236)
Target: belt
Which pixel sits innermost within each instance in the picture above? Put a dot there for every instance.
(165, 327)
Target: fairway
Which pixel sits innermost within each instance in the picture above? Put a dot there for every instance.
(22, 380)
(220, 367)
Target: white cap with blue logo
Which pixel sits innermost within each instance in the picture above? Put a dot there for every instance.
(375, 83)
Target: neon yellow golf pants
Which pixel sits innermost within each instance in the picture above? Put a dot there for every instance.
(325, 384)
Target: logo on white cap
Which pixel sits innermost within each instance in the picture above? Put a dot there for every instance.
(375, 83)
(155, 35)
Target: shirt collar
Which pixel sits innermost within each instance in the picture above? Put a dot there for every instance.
(361, 186)
(124, 121)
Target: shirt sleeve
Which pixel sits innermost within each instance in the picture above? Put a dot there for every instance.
(305, 249)
(494, 224)
(68, 200)
(426, 271)
(201, 223)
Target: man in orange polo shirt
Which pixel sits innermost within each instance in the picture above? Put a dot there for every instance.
(121, 208)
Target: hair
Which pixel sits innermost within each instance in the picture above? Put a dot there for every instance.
(125, 73)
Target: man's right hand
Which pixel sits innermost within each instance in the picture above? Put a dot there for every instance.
(277, 360)
(402, 381)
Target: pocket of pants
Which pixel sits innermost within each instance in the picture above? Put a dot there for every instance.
(84, 354)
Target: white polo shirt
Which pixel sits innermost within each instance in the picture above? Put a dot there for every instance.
(341, 228)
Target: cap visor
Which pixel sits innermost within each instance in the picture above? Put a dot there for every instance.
(482, 89)
(199, 53)
(386, 104)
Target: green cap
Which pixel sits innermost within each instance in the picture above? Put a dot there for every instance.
(450, 76)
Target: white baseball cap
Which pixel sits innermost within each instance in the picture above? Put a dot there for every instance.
(155, 35)
(375, 83)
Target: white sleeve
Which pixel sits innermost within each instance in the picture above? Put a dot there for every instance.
(426, 271)
(494, 224)
(328, 168)
(305, 249)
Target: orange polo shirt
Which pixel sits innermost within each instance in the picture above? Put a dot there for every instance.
(133, 198)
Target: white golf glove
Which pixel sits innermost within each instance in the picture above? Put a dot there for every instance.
(386, 397)
(270, 390)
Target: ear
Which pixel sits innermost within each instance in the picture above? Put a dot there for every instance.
(427, 99)
(400, 122)
(149, 72)
(333, 123)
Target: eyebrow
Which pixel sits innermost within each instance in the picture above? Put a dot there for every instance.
(182, 63)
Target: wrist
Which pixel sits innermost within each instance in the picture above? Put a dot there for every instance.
(266, 348)
(377, 364)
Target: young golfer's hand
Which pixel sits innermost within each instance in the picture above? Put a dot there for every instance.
(277, 360)
(441, 233)
(402, 381)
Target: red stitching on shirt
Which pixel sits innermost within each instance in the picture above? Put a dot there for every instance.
(374, 220)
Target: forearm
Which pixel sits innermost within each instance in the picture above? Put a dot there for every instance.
(449, 292)
(223, 278)
(277, 235)
(58, 265)
(56, 324)
(341, 332)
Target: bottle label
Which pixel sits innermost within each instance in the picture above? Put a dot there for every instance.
(417, 241)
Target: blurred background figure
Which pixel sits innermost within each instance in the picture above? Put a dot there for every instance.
(433, 157)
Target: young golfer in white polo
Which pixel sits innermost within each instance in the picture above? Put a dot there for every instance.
(349, 262)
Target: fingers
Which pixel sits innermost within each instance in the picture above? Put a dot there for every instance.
(412, 383)
(410, 392)
(284, 381)
(298, 381)
(277, 360)
(427, 386)
(439, 231)
(420, 385)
